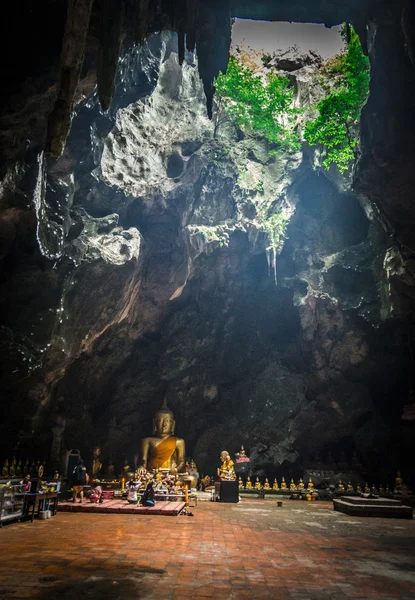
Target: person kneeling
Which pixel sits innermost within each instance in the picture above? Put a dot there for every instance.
(132, 491)
(96, 493)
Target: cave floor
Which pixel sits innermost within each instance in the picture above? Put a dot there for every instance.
(301, 551)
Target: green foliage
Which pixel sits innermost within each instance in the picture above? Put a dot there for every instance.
(258, 106)
(275, 227)
(336, 127)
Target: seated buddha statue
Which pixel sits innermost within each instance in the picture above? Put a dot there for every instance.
(240, 483)
(367, 488)
(381, 490)
(12, 470)
(275, 485)
(226, 471)
(340, 486)
(5, 470)
(292, 485)
(283, 484)
(248, 484)
(388, 490)
(350, 487)
(374, 490)
(310, 485)
(359, 488)
(267, 485)
(163, 450)
(301, 484)
(257, 484)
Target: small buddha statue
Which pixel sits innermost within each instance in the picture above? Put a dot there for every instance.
(275, 485)
(248, 485)
(283, 484)
(5, 470)
(163, 450)
(19, 468)
(267, 485)
(292, 485)
(367, 488)
(398, 480)
(26, 468)
(96, 462)
(310, 485)
(359, 488)
(226, 471)
(301, 485)
(242, 456)
(340, 486)
(257, 484)
(381, 490)
(111, 471)
(350, 487)
(12, 469)
(388, 490)
(240, 483)
(126, 468)
(56, 475)
(374, 490)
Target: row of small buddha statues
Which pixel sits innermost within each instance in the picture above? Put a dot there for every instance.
(17, 468)
(309, 487)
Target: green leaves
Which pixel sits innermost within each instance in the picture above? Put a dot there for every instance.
(258, 106)
(337, 126)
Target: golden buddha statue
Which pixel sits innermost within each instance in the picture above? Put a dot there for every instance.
(359, 488)
(367, 488)
(310, 485)
(26, 467)
(226, 471)
(283, 484)
(350, 487)
(163, 450)
(388, 490)
(257, 484)
(266, 484)
(240, 483)
(301, 484)
(19, 467)
(373, 489)
(275, 485)
(292, 485)
(5, 470)
(398, 480)
(340, 486)
(381, 489)
(111, 471)
(248, 485)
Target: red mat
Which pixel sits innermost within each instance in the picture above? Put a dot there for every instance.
(121, 506)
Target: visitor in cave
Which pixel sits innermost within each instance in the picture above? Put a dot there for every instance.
(148, 496)
(132, 491)
(80, 479)
(26, 482)
(96, 493)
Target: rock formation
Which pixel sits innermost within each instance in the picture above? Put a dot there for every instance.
(136, 265)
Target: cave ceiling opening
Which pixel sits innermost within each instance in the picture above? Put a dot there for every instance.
(155, 245)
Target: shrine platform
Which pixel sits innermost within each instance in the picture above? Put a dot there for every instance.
(122, 507)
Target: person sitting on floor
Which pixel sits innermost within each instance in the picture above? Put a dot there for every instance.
(148, 496)
(96, 493)
(132, 491)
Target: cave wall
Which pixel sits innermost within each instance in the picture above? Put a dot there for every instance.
(114, 293)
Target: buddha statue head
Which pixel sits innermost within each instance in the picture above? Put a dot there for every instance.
(163, 422)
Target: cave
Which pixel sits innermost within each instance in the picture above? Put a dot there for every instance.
(133, 268)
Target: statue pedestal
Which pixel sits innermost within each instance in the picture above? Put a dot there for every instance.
(229, 491)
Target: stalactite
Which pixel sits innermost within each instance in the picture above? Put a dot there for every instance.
(72, 56)
(143, 23)
(179, 24)
(213, 41)
(110, 37)
(191, 16)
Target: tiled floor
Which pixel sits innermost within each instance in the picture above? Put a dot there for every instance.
(302, 551)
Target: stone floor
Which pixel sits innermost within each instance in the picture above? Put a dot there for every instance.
(302, 551)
